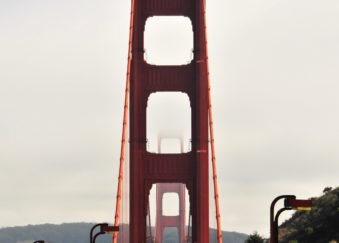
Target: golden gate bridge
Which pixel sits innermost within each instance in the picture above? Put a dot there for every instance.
(140, 169)
(184, 173)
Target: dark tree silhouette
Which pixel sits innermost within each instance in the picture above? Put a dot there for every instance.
(327, 189)
(255, 238)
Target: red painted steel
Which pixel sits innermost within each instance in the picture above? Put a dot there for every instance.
(109, 228)
(124, 126)
(162, 221)
(214, 159)
(147, 168)
(298, 203)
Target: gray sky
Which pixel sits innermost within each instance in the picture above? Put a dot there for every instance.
(274, 67)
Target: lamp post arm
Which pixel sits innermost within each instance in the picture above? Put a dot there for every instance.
(92, 230)
(273, 238)
(276, 219)
(97, 234)
(275, 201)
(276, 222)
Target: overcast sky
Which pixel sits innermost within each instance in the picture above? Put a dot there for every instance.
(274, 69)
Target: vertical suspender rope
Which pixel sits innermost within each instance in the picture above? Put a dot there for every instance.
(124, 126)
(214, 162)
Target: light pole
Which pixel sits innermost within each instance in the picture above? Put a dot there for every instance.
(104, 228)
(290, 202)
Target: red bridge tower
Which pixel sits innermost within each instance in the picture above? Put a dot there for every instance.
(162, 221)
(189, 168)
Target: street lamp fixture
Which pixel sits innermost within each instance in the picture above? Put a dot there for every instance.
(39, 241)
(290, 203)
(303, 205)
(104, 228)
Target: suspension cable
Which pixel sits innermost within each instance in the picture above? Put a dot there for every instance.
(124, 125)
(214, 162)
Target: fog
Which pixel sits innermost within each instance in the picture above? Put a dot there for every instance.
(274, 70)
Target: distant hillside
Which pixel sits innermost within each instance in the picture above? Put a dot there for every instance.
(320, 225)
(79, 233)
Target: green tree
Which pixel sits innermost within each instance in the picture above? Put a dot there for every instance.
(327, 189)
(255, 238)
